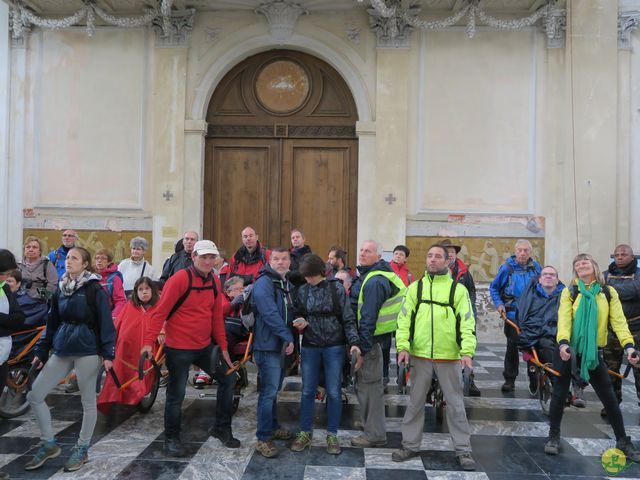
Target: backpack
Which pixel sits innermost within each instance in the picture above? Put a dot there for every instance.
(449, 304)
(247, 313)
(190, 287)
(509, 299)
(575, 290)
(45, 295)
(336, 311)
(110, 278)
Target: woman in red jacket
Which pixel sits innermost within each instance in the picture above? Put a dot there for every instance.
(111, 280)
(130, 325)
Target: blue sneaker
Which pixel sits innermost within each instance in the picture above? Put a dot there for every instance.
(46, 451)
(78, 458)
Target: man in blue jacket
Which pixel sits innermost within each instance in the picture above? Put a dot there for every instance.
(271, 332)
(510, 282)
(59, 255)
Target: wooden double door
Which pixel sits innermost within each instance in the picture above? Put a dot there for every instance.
(276, 171)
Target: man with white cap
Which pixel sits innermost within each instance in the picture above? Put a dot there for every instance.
(191, 311)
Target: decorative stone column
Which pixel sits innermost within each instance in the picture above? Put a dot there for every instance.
(5, 56)
(593, 58)
(167, 148)
(388, 187)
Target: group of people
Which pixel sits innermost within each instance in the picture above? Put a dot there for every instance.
(324, 312)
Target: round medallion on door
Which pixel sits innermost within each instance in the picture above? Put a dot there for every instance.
(282, 87)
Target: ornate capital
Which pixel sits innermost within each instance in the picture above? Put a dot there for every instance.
(555, 27)
(392, 30)
(627, 23)
(180, 25)
(282, 16)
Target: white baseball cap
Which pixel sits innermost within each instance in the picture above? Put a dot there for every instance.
(203, 247)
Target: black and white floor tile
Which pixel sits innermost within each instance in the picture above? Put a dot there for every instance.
(508, 434)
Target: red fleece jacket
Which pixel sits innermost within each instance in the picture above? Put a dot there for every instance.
(403, 272)
(198, 320)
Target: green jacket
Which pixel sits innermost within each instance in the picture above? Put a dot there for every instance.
(435, 325)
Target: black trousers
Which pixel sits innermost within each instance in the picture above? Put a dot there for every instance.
(601, 383)
(511, 356)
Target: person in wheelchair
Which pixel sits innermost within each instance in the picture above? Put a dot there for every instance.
(537, 317)
(35, 311)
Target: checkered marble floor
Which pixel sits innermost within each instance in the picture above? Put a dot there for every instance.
(508, 433)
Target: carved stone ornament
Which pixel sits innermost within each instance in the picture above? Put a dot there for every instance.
(179, 28)
(555, 27)
(628, 22)
(282, 16)
(392, 31)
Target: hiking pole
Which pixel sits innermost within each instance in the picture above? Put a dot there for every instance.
(510, 322)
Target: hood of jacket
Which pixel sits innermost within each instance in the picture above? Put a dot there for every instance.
(630, 269)
(244, 256)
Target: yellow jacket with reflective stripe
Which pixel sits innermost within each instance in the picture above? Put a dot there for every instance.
(435, 326)
(387, 320)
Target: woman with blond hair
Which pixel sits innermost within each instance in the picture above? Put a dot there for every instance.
(587, 308)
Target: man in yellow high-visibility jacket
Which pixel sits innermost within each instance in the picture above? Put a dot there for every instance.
(379, 293)
(436, 333)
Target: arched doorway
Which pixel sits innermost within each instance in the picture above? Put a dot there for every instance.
(281, 153)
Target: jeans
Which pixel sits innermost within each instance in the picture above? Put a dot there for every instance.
(332, 358)
(271, 377)
(178, 363)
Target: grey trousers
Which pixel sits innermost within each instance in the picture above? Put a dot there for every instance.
(371, 395)
(449, 376)
(56, 369)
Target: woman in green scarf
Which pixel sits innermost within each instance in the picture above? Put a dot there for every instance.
(585, 313)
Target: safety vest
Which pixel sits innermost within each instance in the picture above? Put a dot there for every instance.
(387, 316)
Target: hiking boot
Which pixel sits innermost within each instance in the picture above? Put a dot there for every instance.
(72, 385)
(46, 451)
(467, 462)
(267, 449)
(628, 449)
(78, 458)
(225, 436)
(173, 447)
(403, 455)
(577, 399)
(333, 444)
(302, 441)
(281, 434)
(363, 442)
(508, 386)
(552, 446)
(201, 380)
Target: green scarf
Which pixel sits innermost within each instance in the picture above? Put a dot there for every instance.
(584, 338)
(2, 294)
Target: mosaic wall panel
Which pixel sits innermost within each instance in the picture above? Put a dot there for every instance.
(483, 255)
(92, 240)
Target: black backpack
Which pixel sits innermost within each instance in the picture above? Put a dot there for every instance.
(575, 290)
(336, 311)
(414, 314)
